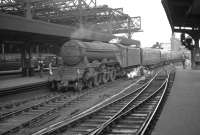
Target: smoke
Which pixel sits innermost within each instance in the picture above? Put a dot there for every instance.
(134, 73)
(82, 33)
(115, 41)
(89, 31)
(137, 72)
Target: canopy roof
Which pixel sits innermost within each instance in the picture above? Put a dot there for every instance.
(183, 15)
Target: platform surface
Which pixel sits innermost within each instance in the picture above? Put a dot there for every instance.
(181, 113)
(13, 81)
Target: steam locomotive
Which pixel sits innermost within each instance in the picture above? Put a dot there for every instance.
(88, 64)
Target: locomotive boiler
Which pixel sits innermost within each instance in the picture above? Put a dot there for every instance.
(76, 52)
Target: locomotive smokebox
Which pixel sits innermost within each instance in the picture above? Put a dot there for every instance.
(73, 52)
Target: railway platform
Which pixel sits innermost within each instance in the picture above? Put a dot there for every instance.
(180, 115)
(18, 81)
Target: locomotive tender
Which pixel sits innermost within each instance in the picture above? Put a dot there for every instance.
(88, 64)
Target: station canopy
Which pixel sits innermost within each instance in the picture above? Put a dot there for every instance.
(183, 15)
(73, 13)
(76, 15)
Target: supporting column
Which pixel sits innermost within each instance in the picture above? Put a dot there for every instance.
(80, 13)
(192, 59)
(23, 59)
(3, 51)
(26, 56)
(109, 23)
(29, 60)
(196, 54)
(37, 50)
(28, 9)
(129, 28)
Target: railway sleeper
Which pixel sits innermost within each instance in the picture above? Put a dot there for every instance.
(134, 121)
(57, 104)
(117, 134)
(77, 132)
(135, 118)
(144, 110)
(87, 126)
(46, 108)
(95, 121)
(125, 126)
(109, 111)
(51, 105)
(124, 131)
(120, 104)
(153, 102)
(90, 124)
(60, 101)
(150, 107)
(115, 108)
(38, 112)
(5, 127)
(106, 114)
(44, 121)
(103, 116)
(160, 78)
(41, 109)
(128, 98)
(143, 97)
(20, 121)
(84, 128)
(124, 101)
(10, 130)
(140, 111)
(138, 115)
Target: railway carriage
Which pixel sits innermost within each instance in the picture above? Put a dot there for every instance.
(165, 57)
(150, 57)
(176, 56)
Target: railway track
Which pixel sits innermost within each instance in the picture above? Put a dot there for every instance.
(94, 121)
(35, 113)
(13, 120)
(18, 89)
(13, 106)
(135, 120)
